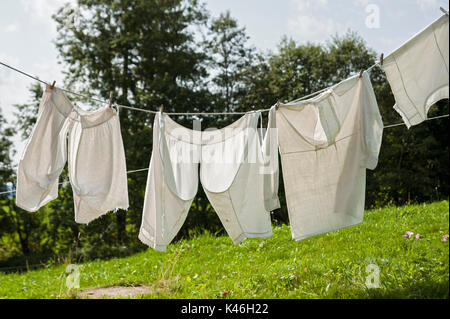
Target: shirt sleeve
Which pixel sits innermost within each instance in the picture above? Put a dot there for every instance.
(271, 168)
(372, 125)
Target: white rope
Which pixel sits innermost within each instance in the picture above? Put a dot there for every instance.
(154, 112)
(120, 105)
(185, 113)
(428, 119)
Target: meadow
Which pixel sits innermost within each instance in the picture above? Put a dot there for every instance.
(376, 259)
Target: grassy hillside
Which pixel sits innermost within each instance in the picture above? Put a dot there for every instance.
(333, 265)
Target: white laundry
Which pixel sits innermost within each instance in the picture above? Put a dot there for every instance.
(97, 166)
(418, 72)
(326, 143)
(95, 153)
(232, 173)
(45, 153)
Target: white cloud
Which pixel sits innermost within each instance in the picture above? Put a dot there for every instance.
(11, 28)
(312, 21)
(426, 5)
(362, 3)
(42, 10)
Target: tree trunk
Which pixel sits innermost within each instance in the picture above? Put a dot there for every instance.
(23, 238)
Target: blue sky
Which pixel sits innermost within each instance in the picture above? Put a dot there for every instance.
(27, 31)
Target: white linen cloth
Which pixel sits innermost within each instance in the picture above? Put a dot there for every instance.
(326, 143)
(232, 173)
(45, 153)
(418, 72)
(95, 153)
(97, 166)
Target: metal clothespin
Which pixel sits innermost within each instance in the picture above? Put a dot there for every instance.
(53, 85)
(361, 73)
(381, 58)
(443, 10)
(277, 106)
(161, 109)
(110, 99)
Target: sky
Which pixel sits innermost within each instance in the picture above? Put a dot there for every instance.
(27, 32)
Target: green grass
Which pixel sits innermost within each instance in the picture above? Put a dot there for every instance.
(332, 265)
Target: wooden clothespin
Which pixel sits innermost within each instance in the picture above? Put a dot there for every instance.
(53, 85)
(277, 106)
(381, 58)
(361, 73)
(110, 99)
(161, 109)
(443, 10)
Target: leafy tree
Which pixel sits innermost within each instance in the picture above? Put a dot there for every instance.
(6, 152)
(229, 55)
(144, 52)
(413, 164)
(13, 221)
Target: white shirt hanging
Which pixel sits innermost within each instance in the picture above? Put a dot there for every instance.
(326, 143)
(418, 72)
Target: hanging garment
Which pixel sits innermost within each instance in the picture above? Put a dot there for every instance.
(96, 158)
(97, 166)
(45, 153)
(326, 143)
(232, 172)
(418, 72)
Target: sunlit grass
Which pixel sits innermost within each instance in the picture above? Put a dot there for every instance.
(332, 265)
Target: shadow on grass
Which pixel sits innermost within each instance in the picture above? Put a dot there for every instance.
(22, 263)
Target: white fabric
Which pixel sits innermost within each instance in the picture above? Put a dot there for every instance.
(231, 172)
(418, 72)
(97, 166)
(171, 186)
(326, 143)
(271, 166)
(45, 154)
(95, 153)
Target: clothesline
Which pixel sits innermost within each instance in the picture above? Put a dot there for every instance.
(428, 119)
(120, 105)
(146, 169)
(169, 113)
(183, 113)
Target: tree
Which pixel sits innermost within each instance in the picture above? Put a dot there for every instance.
(6, 152)
(413, 164)
(230, 55)
(13, 220)
(144, 52)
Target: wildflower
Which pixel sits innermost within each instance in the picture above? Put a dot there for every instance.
(417, 236)
(445, 237)
(408, 234)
